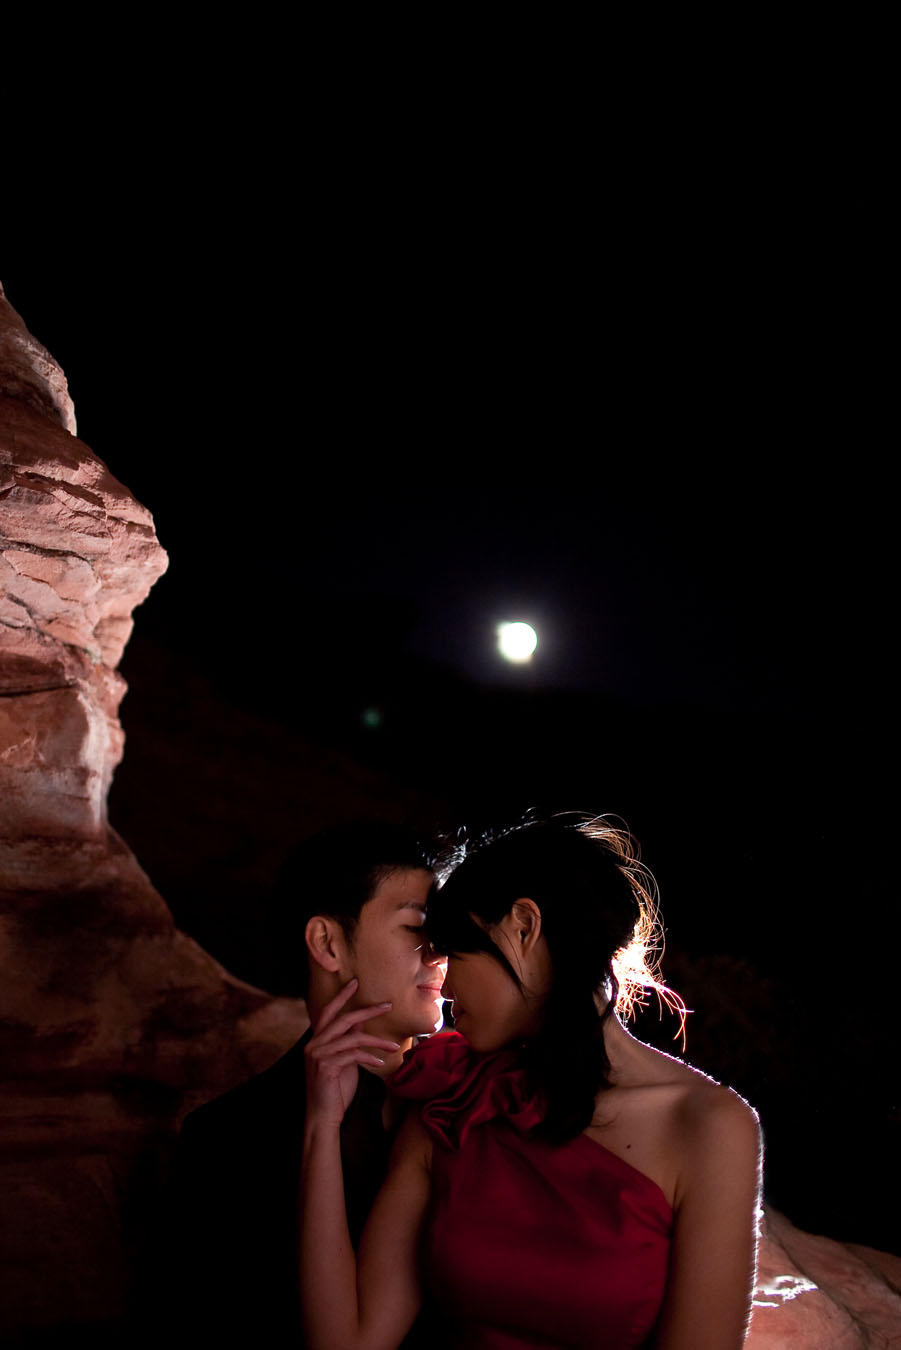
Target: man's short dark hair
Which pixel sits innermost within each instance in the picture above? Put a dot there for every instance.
(334, 873)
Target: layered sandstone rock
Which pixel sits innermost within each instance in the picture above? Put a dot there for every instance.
(822, 1295)
(112, 1023)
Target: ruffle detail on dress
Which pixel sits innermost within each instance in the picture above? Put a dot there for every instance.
(460, 1089)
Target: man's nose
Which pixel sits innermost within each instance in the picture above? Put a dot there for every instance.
(432, 957)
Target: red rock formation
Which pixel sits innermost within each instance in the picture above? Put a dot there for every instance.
(822, 1295)
(112, 1023)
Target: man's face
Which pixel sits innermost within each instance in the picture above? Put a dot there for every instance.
(392, 960)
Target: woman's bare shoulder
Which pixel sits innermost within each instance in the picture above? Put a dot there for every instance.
(716, 1118)
(665, 1069)
(713, 1127)
(669, 1119)
(696, 1102)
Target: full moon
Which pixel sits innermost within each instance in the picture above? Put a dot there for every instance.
(516, 641)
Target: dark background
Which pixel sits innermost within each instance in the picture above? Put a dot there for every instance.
(374, 413)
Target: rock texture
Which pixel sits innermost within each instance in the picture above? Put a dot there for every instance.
(822, 1295)
(77, 554)
(112, 1023)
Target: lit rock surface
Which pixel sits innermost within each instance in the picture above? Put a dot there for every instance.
(112, 1023)
(817, 1294)
(77, 553)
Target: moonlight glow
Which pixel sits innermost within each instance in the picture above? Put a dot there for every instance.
(516, 641)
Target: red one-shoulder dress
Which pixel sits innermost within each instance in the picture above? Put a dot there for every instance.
(529, 1243)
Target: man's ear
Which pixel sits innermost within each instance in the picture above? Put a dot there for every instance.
(524, 922)
(325, 941)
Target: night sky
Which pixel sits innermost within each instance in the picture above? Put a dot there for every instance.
(365, 440)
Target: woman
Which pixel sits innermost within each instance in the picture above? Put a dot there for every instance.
(563, 1184)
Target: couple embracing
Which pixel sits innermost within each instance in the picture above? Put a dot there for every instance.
(535, 1178)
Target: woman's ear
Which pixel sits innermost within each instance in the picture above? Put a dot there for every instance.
(526, 924)
(325, 942)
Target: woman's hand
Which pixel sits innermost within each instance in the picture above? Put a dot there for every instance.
(328, 1265)
(338, 1045)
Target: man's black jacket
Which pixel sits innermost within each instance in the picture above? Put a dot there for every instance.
(232, 1217)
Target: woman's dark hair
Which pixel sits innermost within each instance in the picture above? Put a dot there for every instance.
(599, 918)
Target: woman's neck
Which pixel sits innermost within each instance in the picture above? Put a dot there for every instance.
(624, 1052)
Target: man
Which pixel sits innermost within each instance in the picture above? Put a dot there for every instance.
(354, 904)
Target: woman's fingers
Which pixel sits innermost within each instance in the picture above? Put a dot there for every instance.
(360, 1041)
(338, 1002)
(333, 1023)
(338, 1038)
(343, 1021)
(364, 1038)
(344, 1031)
(338, 1047)
(336, 1064)
(339, 1044)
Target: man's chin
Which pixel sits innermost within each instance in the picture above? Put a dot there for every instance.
(429, 1029)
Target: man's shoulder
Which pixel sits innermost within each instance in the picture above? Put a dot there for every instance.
(279, 1092)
